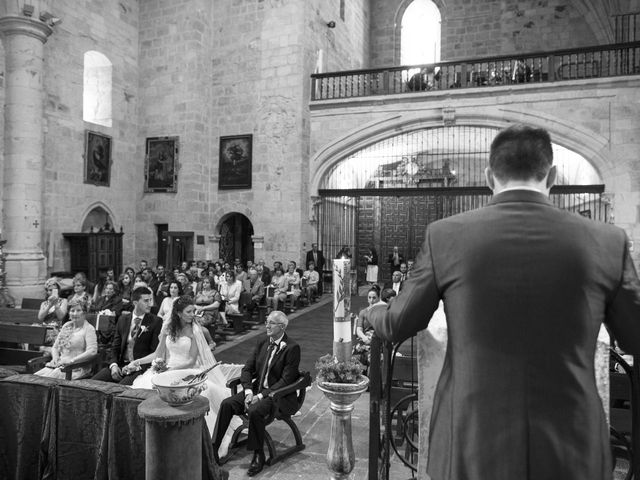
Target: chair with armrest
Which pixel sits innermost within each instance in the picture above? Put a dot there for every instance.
(94, 361)
(300, 385)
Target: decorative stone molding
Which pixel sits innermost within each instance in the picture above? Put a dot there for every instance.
(258, 241)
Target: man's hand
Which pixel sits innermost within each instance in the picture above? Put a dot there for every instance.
(248, 398)
(116, 373)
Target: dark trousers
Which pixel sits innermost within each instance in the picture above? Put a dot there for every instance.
(258, 414)
(104, 375)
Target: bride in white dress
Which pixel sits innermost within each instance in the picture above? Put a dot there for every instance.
(183, 345)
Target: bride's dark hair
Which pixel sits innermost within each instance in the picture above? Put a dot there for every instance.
(179, 305)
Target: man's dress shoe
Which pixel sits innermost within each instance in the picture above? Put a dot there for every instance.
(257, 464)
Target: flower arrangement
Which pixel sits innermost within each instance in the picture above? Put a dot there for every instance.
(330, 370)
(158, 365)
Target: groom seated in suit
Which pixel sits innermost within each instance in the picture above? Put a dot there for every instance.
(272, 365)
(136, 336)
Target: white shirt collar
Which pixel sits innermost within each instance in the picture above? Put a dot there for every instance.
(523, 187)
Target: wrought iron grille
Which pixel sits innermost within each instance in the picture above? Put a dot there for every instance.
(453, 156)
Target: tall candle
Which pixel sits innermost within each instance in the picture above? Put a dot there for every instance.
(341, 309)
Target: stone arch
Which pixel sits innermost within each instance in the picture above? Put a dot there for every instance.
(235, 231)
(95, 215)
(592, 146)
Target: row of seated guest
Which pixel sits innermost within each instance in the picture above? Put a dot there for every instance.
(291, 283)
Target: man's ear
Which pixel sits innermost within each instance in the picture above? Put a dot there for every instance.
(551, 176)
(488, 176)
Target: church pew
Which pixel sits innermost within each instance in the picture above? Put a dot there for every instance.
(12, 335)
(18, 315)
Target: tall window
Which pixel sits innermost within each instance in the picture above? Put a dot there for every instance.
(420, 34)
(96, 104)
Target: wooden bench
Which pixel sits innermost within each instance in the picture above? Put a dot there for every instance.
(18, 315)
(15, 334)
(31, 303)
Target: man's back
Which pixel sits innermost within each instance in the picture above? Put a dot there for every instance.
(526, 287)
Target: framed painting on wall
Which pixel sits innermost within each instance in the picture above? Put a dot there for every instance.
(161, 164)
(235, 162)
(97, 158)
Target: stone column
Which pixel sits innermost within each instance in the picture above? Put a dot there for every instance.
(22, 192)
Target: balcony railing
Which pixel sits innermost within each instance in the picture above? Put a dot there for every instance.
(579, 63)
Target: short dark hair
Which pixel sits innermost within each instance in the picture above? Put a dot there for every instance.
(138, 292)
(387, 294)
(521, 152)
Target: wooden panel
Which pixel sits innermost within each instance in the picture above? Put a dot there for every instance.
(18, 315)
(22, 333)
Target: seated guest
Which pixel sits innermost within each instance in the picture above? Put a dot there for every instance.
(80, 290)
(104, 276)
(218, 274)
(109, 301)
(187, 289)
(273, 364)
(53, 311)
(312, 278)
(293, 284)
(279, 284)
(263, 272)
(125, 286)
(163, 288)
(364, 330)
(396, 282)
(241, 275)
(254, 286)
(230, 291)
(175, 291)
(208, 301)
(136, 335)
(160, 271)
(75, 342)
(88, 286)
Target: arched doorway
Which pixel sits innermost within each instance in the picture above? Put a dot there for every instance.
(236, 231)
(98, 219)
(386, 194)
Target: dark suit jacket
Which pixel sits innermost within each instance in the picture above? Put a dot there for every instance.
(319, 264)
(526, 287)
(145, 343)
(390, 285)
(283, 371)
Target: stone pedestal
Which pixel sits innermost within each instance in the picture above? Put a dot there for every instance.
(173, 438)
(22, 191)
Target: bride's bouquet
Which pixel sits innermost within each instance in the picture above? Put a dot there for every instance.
(158, 365)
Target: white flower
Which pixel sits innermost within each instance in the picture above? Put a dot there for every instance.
(282, 346)
(143, 328)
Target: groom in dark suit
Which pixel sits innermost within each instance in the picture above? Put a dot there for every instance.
(136, 336)
(526, 287)
(273, 364)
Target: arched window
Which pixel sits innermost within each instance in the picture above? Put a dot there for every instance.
(96, 101)
(420, 34)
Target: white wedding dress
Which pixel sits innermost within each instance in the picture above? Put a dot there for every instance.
(216, 391)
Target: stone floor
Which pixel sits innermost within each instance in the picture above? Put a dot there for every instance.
(314, 422)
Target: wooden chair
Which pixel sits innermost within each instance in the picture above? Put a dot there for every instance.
(238, 439)
(624, 391)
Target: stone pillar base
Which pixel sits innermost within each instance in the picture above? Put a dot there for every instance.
(26, 273)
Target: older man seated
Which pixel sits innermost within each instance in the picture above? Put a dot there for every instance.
(273, 364)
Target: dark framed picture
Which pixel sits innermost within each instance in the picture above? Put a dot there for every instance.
(235, 162)
(97, 158)
(161, 164)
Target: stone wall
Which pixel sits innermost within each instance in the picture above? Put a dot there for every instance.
(596, 118)
(112, 29)
(175, 70)
(494, 27)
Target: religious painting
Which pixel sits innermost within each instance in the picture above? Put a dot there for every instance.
(97, 158)
(235, 162)
(161, 162)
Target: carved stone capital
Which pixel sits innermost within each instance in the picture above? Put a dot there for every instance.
(14, 25)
